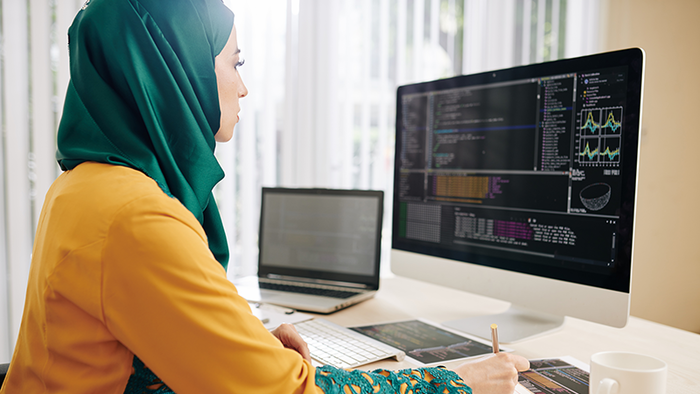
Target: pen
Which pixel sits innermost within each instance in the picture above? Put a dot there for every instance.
(494, 337)
(519, 388)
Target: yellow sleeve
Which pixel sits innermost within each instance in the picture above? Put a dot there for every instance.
(168, 300)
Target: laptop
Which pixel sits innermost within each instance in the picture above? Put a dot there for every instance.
(319, 249)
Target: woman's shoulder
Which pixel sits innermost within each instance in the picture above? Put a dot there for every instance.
(110, 177)
(105, 184)
(105, 190)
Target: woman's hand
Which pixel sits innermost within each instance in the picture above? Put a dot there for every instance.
(493, 374)
(291, 339)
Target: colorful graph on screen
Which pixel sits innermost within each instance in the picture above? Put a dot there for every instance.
(599, 136)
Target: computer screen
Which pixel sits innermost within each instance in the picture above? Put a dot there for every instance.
(528, 173)
(337, 231)
(323, 234)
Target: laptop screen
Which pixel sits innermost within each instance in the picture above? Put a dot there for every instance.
(321, 234)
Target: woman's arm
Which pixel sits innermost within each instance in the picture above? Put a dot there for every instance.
(168, 300)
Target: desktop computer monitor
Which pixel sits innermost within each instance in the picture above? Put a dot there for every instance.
(520, 184)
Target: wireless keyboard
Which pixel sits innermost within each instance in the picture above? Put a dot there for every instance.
(342, 347)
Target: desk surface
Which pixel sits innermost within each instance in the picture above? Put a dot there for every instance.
(404, 299)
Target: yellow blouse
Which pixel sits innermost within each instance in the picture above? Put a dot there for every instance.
(120, 268)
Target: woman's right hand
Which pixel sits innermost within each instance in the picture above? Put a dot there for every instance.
(290, 338)
(493, 374)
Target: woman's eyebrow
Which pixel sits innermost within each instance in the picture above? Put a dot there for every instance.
(236, 52)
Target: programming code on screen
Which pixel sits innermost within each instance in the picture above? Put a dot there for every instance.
(526, 169)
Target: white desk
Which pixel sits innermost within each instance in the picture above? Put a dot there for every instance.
(404, 299)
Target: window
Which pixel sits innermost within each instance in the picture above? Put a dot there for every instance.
(322, 77)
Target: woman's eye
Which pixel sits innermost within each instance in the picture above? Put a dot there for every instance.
(240, 63)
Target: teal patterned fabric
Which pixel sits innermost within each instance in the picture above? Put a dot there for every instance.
(380, 381)
(142, 379)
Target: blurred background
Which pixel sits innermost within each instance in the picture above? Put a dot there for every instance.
(322, 77)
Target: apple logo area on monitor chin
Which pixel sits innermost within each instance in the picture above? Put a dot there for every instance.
(520, 184)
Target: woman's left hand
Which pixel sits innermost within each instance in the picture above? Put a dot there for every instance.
(291, 339)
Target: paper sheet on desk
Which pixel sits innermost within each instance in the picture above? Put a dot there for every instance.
(565, 375)
(272, 316)
(428, 343)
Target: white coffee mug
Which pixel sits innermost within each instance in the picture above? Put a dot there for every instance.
(627, 373)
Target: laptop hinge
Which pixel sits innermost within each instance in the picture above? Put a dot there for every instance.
(318, 281)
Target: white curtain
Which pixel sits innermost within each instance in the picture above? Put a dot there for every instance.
(33, 79)
(322, 76)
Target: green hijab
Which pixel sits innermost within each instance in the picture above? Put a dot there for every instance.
(143, 94)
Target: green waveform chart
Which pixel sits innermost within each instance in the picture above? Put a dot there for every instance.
(599, 136)
(599, 150)
(601, 121)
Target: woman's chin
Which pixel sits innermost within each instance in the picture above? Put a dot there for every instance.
(224, 135)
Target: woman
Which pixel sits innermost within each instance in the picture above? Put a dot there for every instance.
(128, 267)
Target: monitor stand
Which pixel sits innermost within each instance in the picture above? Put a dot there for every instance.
(514, 325)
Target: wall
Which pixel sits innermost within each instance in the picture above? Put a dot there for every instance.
(666, 273)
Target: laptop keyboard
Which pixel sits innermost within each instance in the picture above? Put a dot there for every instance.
(314, 290)
(342, 347)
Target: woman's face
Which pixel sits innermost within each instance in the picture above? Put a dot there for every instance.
(230, 85)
